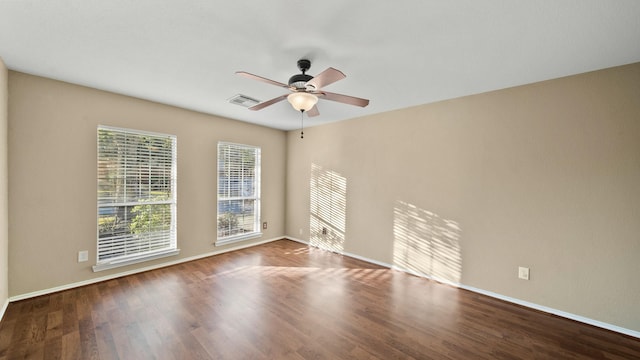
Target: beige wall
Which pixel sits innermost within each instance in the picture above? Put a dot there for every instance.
(545, 176)
(52, 176)
(4, 180)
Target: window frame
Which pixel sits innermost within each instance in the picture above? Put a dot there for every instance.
(144, 198)
(255, 197)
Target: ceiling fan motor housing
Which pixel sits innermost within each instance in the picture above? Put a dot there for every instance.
(298, 81)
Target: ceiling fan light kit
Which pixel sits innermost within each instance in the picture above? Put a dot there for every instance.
(302, 101)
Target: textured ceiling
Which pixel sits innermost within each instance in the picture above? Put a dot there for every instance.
(397, 54)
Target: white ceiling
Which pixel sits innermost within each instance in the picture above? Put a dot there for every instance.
(397, 54)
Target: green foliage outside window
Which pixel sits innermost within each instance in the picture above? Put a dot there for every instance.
(150, 218)
(227, 223)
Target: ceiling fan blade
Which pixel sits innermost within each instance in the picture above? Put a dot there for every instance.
(313, 111)
(264, 104)
(345, 99)
(325, 78)
(263, 79)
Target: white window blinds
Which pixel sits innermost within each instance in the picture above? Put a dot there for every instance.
(136, 195)
(238, 192)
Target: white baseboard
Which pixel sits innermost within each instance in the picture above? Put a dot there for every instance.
(553, 311)
(135, 271)
(4, 308)
(527, 304)
(375, 262)
(297, 240)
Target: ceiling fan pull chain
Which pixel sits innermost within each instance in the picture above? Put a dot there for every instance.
(302, 124)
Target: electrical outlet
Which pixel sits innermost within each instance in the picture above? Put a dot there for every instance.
(264, 225)
(83, 256)
(324, 231)
(523, 273)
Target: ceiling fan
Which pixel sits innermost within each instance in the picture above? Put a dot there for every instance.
(306, 89)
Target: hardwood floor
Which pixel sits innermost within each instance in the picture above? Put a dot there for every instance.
(284, 300)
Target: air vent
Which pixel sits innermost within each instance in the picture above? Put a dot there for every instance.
(243, 100)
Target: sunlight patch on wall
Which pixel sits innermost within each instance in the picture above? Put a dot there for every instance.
(328, 209)
(426, 244)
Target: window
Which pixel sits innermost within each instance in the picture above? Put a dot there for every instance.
(238, 192)
(136, 197)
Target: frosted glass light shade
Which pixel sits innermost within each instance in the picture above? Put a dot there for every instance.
(302, 101)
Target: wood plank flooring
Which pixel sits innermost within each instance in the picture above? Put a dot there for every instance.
(284, 300)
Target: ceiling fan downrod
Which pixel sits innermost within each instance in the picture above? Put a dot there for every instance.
(304, 65)
(297, 82)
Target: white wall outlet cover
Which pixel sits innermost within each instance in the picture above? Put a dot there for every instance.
(83, 256)
(523, 273)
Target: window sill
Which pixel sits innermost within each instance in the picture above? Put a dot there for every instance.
(237, 238)
(134, 260)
